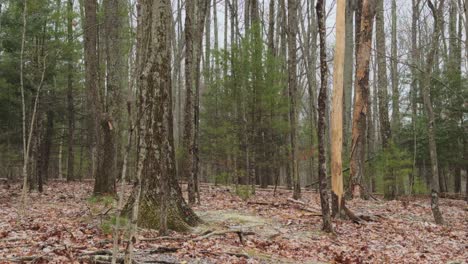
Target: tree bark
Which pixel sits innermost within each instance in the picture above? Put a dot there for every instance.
(385, 132)
(348, 75)
(188, 138)
(70, 105)
(161, 197)
(202, 10)
(394, 74)
(425, 90)
(337, 103)
(361, 99)
(292, 84)
(322, 172)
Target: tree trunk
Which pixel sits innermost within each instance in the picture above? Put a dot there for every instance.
(361, 99)
(385, 132)
(394, 74)
(202, 10)
(348, 75)
(292, 84)
(161, 198)
(70, 106)
(425, 90)
(322, 172)
(111, 118)
(414, 83)
(188, 138)
(91, 83)
(337, 103)
(46, 144)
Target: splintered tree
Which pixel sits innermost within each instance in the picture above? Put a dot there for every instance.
(161, 197)
(361, 99)
(337, 104)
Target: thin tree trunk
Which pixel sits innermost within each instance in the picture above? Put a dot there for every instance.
(188, 138)
(385, 132)
(292, 84)
(394, 74)
(425, 90)
(322, 172)
(348, 75)
(202, 10)
(70, 104)
(60, 155)
(414, 83)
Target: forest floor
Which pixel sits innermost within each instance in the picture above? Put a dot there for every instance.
(65, 225)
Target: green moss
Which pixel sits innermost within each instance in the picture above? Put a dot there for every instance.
(104, 200)
(244, 191)
(106, 225)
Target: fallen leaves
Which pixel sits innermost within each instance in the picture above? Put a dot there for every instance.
(62, 227)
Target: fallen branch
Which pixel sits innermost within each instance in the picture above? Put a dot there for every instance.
(23, 259)
(239, 255)
(296, 201)
(315, 213)
(149, 239)
(223, 232)
(97, 252)
(162, 250)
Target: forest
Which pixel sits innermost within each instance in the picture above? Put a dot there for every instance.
(233, 131)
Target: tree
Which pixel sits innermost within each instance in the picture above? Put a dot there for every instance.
(431, 126)
(337, 103)
(361, 99)
(348, 74)
(100, 124)
(70, 106)
(161, 197)
(188, 138)
(394, 74)
(111, 119)
(327, 225)
(385, 131)
(292, 84)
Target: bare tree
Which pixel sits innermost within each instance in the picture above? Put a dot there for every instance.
(361, 98)
(70, 104)
(425, 90)
(292, 84)
(322, 173)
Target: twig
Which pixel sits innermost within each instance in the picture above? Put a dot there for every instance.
(149, 239)
(239, 255)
